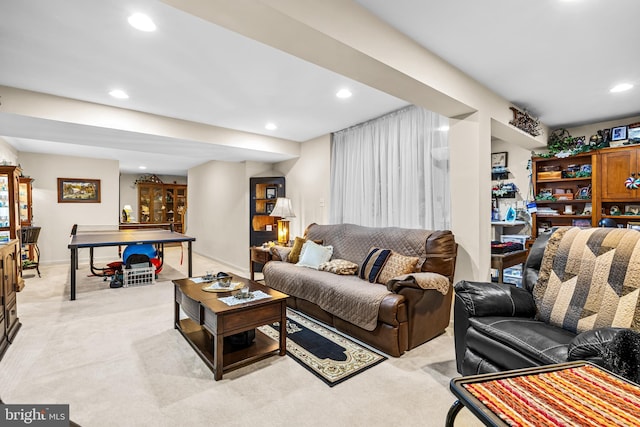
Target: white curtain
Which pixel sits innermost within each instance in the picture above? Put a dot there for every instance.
(392, 171)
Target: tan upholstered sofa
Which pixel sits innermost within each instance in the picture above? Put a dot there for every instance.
(395, 316)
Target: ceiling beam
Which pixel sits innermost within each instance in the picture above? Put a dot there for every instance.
(36, 105)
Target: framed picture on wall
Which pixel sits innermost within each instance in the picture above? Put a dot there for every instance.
(499, 159)
(78, 190)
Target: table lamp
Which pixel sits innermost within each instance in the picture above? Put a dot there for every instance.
(283, 210)
(127, 211)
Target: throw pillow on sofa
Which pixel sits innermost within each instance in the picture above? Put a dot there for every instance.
(339, 266)
(373, 263)
(313, 254)
(294, 255)
(397, 265)
(281, 252)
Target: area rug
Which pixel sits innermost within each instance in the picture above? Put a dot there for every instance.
(330, 356)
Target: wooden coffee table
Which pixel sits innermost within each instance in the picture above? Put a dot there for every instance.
(210, 320)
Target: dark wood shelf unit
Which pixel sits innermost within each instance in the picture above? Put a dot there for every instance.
(260, 205)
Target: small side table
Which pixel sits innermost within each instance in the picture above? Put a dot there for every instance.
(502, 261)
(258, 255)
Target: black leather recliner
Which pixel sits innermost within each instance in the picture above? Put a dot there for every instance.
(496, 328)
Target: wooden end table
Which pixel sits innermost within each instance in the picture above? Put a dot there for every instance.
(258, 255)
(211, 320)
(509, 259)
(572, 392)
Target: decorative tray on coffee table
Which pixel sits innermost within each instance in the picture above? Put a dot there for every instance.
(216, 287)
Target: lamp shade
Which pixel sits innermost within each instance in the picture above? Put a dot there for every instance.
(283, 208)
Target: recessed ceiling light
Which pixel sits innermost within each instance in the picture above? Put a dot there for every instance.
(141, 22)
(142, 167)
(271, 126)
(344, 93)
(119, 93)
(621, 87)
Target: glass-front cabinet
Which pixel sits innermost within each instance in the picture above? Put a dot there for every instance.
(9, 212)
(25, 203)
(162, 204)
(175, 205)
(150, 203)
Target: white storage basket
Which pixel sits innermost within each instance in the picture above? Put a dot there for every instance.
(138, 276)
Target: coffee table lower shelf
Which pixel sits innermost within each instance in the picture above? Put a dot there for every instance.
(233, 357)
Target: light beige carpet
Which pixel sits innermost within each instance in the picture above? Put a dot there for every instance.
(114, 356)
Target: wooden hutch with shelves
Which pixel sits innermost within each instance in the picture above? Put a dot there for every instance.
(609, 195)
(565, 191)
(160, 203)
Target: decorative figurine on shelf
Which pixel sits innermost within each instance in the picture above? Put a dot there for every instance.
(614, 210)
(632, 183)
(523, 121)
(510, 216)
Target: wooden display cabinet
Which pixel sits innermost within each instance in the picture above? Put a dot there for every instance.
(263, 195)
(175, 200)
(150, 203)
(555, 176)
(9, 197)
(162, 204)
(24, 194)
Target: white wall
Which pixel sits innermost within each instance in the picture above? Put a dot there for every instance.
(56, 219)
(308, 184)
(218, 214)
(592, 128)
(8, 154)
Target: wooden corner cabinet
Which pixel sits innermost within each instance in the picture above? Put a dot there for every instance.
(9, 283)
(162, 203)
(263, 193)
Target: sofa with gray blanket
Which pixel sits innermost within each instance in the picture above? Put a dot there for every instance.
(393, 304)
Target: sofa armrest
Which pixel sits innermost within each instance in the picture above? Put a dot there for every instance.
(494, 299)
(421, 281)
(591, 344)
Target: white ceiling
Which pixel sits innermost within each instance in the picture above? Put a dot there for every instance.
(556, 58)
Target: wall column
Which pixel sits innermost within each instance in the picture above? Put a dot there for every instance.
(470, 165)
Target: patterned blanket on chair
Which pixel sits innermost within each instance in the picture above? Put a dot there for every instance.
(590, 278)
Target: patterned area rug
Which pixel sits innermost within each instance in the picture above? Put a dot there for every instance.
(330, 356)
